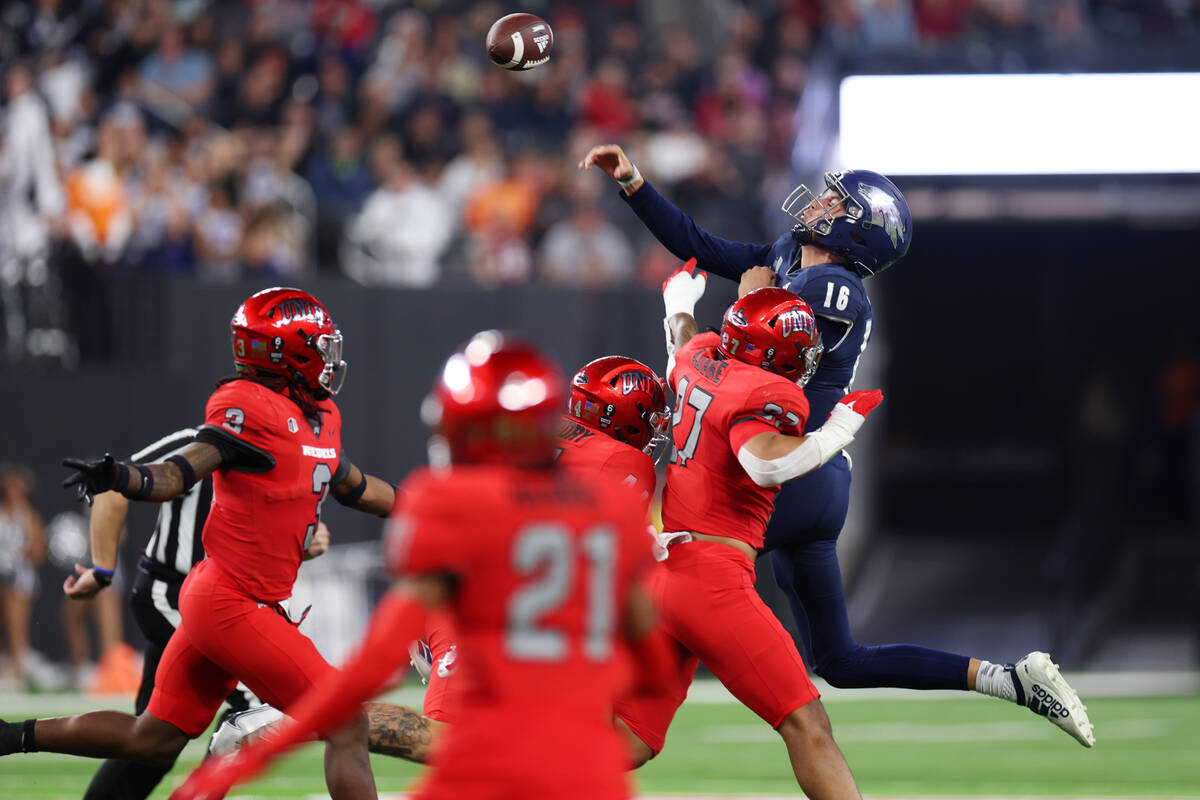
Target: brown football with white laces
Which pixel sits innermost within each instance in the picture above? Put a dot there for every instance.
(520, 42)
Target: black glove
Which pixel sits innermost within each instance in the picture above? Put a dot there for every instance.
(95, 476)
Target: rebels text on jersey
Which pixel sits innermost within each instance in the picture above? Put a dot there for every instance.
(267, 496)
(583, 449)
(544, 561)
(720, 404)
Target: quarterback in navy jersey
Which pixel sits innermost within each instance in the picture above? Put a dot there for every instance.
(857, 227)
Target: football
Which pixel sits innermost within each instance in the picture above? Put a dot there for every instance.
(520, 41)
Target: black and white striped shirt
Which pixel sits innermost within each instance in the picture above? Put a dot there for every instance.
(175, 544)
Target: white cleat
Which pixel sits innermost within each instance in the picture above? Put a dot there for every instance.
(1041, 688)
(235, 728)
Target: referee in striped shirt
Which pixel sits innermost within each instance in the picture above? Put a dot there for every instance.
(174, 548)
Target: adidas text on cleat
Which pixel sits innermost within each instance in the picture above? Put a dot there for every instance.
(237, 727)
(1041, 687)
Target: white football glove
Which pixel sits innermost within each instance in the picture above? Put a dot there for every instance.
(684, 289)
(681, 292)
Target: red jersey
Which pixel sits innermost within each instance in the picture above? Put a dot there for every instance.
(719, 405)
(267, 500)
(544, 562)
(587, 450)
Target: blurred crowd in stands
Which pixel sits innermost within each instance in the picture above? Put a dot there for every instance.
(280, 137)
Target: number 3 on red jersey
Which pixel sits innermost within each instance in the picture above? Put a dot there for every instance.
(322, 474)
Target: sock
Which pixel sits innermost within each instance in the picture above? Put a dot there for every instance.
(996, 680)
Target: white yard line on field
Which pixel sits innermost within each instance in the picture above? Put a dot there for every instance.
(1088, 684)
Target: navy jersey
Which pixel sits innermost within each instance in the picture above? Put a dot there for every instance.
(844, 318)
(835, 293)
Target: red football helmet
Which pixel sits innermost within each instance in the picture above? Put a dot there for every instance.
(288, 332)
(498, 401)
(776, 330)
(622, 397)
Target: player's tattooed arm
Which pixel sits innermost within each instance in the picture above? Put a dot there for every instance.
(399, 732)
(153, 482)
(363, 492)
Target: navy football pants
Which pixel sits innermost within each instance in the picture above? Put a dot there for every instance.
(802, 545)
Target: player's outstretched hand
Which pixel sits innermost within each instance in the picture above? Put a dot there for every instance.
(90, 477)
(684, 289)
(862, 402)
(82, 584)
(609, 159)
(215, 777)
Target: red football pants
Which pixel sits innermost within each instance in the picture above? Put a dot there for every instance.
(224, 637)
(707, 604)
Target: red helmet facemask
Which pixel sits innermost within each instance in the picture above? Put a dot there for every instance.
(288, 332)
(623, 398)
(776, 330)
(498, 401)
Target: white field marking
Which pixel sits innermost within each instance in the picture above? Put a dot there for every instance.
(934, 733)
(745, 796)
(1087, 684)
(21, 704)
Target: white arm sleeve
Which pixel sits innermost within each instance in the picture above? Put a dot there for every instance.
(817, 448)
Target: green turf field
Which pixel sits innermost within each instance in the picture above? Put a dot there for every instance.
(968, 746)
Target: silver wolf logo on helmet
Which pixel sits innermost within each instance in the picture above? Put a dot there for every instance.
(884, 212)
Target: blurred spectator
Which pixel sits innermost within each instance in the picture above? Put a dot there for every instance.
(606, 103)
(497, 256)
(219, 234)
(116, 671)
(31, 204)
(941, 20)
(98, 211)
(511, 201)
(737, 85)
(481, 162)
(22, 547)
(341, 183)
(586, 249)
(889, 24)
(185, 73)
(402, 230)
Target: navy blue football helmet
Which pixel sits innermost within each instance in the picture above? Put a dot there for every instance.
(861, 215)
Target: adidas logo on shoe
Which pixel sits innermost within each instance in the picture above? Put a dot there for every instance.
(1047, 704)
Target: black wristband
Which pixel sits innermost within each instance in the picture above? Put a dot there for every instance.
(120, 478)
(147, 483)
(28, 745)
(355, 494)
(185, 469)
